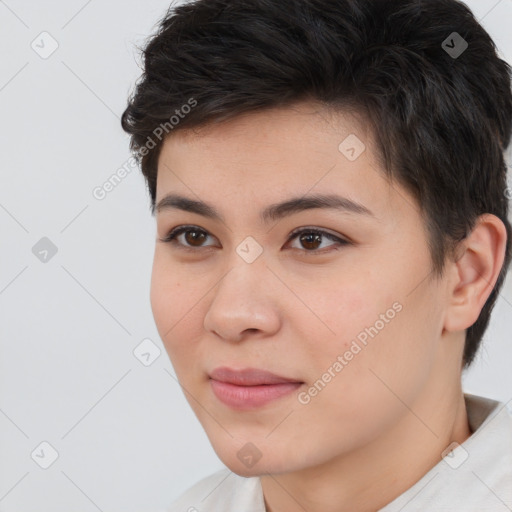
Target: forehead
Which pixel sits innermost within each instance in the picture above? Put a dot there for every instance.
(307, 127)
(263, 157)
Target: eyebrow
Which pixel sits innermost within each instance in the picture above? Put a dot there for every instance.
(271, 213)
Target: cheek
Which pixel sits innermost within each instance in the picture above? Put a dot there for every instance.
(372, 381)
(168, 301)
(396, 358)
(379, 325)
(353, 306)
(175, 303)
(160, 295)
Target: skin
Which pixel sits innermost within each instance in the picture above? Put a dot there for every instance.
(383, 421)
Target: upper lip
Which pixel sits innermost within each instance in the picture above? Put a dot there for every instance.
(248, 377)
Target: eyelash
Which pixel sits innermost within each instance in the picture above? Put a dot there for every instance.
(173, 234)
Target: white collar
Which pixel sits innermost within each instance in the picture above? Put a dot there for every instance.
(477, 476)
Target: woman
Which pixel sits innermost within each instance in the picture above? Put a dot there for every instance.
(329, 186)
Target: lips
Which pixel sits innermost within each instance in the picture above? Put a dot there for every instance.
(248, 377)
(250, 388)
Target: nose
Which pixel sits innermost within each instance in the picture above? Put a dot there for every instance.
(245, 303)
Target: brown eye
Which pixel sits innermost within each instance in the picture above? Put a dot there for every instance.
(193, 237)
(311, 240)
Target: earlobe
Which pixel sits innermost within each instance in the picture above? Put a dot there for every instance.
(475, 272)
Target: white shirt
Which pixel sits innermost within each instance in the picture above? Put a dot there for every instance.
(475, 477)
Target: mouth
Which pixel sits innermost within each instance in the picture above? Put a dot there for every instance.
(250, 388)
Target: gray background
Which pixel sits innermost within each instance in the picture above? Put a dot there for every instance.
(125, 437)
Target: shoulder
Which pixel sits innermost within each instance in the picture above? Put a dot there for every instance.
(223, 491)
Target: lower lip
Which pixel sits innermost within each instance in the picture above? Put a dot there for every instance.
(250, 397)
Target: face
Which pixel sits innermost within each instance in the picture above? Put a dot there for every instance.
(289, 330)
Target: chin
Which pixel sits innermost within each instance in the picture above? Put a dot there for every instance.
(241, 470)
(258, 469)
(248, 461)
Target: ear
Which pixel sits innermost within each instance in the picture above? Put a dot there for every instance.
(475, 272)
